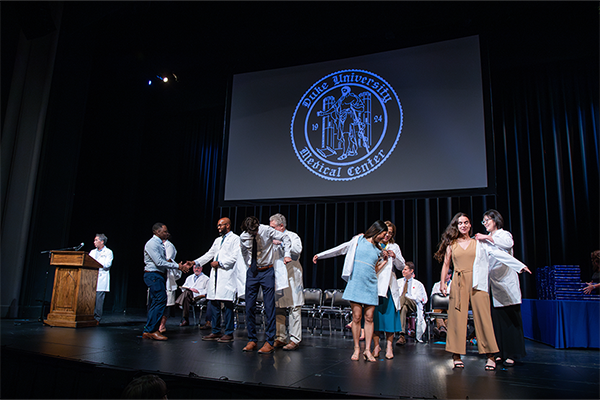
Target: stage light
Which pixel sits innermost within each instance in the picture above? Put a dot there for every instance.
(149, 82)
(165, 79)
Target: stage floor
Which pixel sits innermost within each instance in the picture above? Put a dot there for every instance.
(419, 370)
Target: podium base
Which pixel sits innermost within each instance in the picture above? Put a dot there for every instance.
(71, 324)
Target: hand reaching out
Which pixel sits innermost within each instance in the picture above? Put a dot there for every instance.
(590, 286)
(184, 267)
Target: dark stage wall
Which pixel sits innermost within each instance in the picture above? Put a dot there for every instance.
(118, 155)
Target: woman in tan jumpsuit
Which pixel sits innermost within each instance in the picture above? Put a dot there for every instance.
(457, 245)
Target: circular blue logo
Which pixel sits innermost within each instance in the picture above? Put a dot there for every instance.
(346, 125)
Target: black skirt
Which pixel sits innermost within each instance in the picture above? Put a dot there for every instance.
(508, 328)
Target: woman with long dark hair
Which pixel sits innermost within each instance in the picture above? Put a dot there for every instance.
(458, 247)
(364, 258)
(505, 292)
(470, 258)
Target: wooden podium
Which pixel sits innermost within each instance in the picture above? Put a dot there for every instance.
(74, 292)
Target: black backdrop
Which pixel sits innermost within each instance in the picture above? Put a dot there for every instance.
(119, 155)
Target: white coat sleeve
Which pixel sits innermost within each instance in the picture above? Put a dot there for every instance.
(210, 254)
(336, 251)
(504, 240)
(399, 261)
(505, 258)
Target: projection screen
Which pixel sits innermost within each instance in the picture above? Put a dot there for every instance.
(403, 121)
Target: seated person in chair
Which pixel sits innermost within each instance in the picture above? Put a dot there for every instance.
(193, 289)
(441, 327)
(412, 298)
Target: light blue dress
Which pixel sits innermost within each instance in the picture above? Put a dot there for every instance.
(362, 284)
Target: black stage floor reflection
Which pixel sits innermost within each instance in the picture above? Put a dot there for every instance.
(419, 370)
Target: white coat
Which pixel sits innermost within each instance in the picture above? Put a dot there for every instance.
(347, 248)
(486, 254)
(105, 258)
(172, 274)
(293, 295)
(266, 234)
(200, 284)
(504, 281)
(386, 278)
(419, 295)
(225, 280)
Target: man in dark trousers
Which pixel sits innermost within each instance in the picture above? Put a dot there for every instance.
(256, 242)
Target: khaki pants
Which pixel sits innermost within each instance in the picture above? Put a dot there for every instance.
(295, 324)
(408, 306)
(461, 295)
(440, 322)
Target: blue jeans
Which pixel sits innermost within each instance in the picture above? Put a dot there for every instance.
(215, 309)
(266, 280)
(157, 300)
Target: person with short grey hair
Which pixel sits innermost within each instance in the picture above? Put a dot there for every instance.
(104, 256)
(292, 296)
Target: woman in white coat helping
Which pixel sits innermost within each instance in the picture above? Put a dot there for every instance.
(386, 317)
(364, 258)
(505, 291)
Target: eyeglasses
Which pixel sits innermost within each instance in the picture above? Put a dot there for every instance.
(485, 221)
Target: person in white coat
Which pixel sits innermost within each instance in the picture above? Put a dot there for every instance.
(225, 261)
(412, 297)
(505, 292)
(387, 317)
(104, 256)
(291, 297)
(193, 289)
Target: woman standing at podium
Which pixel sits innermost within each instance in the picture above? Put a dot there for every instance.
(104, 256)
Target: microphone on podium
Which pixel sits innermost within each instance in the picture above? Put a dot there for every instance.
(79, 247)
